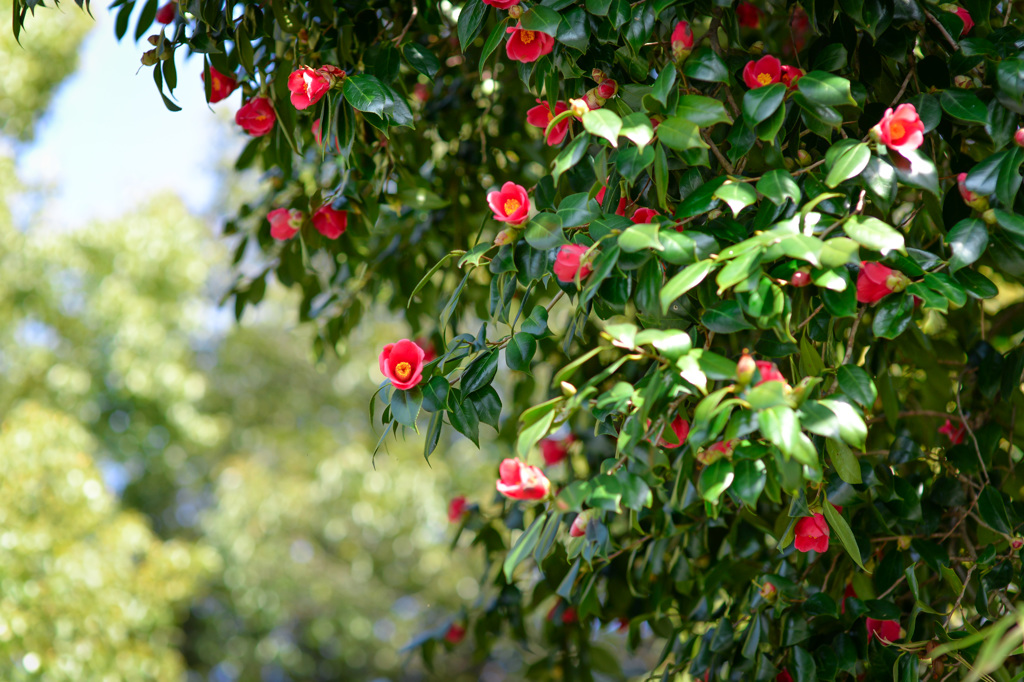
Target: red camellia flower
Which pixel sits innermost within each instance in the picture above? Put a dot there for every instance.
(748, 15)
(527, 46)
(682, 40)
(285, 222)
(510, 204)
(567, 263)
(166, 14)
(680, 430)
(457, 509)
(402, 362)
(220, 85)
(954, 433)
(764, 71)
(885, 631)
(554, 450)
(256, 116)
(644, 215)
(541, 115)
(308, 86)
(769, 372)
(519, 481)
(621, 210)
(329, 222)
(812, 534)
(900, 129)
(456, 633)
(790, 75)
(1018, 137)
(965, 17)
(501, 4)
(784, 676)
(876, 281)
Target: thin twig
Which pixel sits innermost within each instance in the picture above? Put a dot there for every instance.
(903, 88)
(412, 18)
(914, 413)
(970, 431)
(810, 317)
(942, 30)
(718, 155)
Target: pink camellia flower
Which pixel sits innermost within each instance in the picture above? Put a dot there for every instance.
(457, 509)
(748, 15)
(621, 210)
(329, 222)
(527, 46)
(510, 204)
(554, 450)
(402, 363)
(812, 534)
(455, 634)
(285, 222)
(256, 116)
(764, 71)
(975, 201)
(885, 631)
(567, 263)
(579, 525)
(769, 372)
(954, 433)
(519, 481)
(501, 4)
(876, 281)
(608, 88)
(900, 129)
(1018, 137)
(784, 676)
(644, 215)
(308, 86)
(682, 40)
(790, 75)
(220, 85)
(680, 429)
(166, 14)
(541, 115)
(965, 17)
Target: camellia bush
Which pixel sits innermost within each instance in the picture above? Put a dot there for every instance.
(729, 295)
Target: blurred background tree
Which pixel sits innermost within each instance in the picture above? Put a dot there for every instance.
(184, 493)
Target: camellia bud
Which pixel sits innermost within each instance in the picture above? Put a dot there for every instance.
(153, 39)
(607, 88)
(598, 75)
(903, 542)
(989, 217)
(578, 107)
(789, 163)
(506, 236)
(803, 157)
(800, 278)
(745, 369)
(897, 281)
(149, 58)
(975, 201)
(593, 98)
(1017, 542)
(963, 82)
(1018, 137)
(515, 11)
(768, 592)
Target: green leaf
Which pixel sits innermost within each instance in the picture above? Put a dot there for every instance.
(524, 546)
(701, 111)
(967, 240)
(487, 405)
(738, 195)
(963, 105)
(491, 44)
(993, 510)
(471, 20)
(842, 530)
(843, 460)
(537, 323)
(750, 480)
(435, 394)
(837, 252)
(519, 352)
(725, 318)
(480, 372)
(678, 133)
(421, 59)
(686, 279)
(637, 129)
(639, 237)
(705, 65)
(778, 186)
(856, 383)
(664, 84)
(849, 164)
(738, 269)
(544, 232)
(366, 93)
(976, 284)
(570, 156)
(852, 428)
(874, 234)
(915, 169)
(715, 480)
(806, 670)
(826, 89)
(1009, 180)
(760, 103)
(405, 406)
(540, 18)
(603, 123)
(466, 421)
(893, 315)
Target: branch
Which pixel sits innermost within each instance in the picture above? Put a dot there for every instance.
(942, 30)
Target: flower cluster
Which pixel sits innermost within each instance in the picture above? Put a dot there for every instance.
(769, 70)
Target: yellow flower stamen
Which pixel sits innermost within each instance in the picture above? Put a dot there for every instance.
(527, 37)
(896, 130)
(764, 78)
(403, 370)
(511, 206)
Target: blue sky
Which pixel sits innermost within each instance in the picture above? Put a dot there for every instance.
(107, 143)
